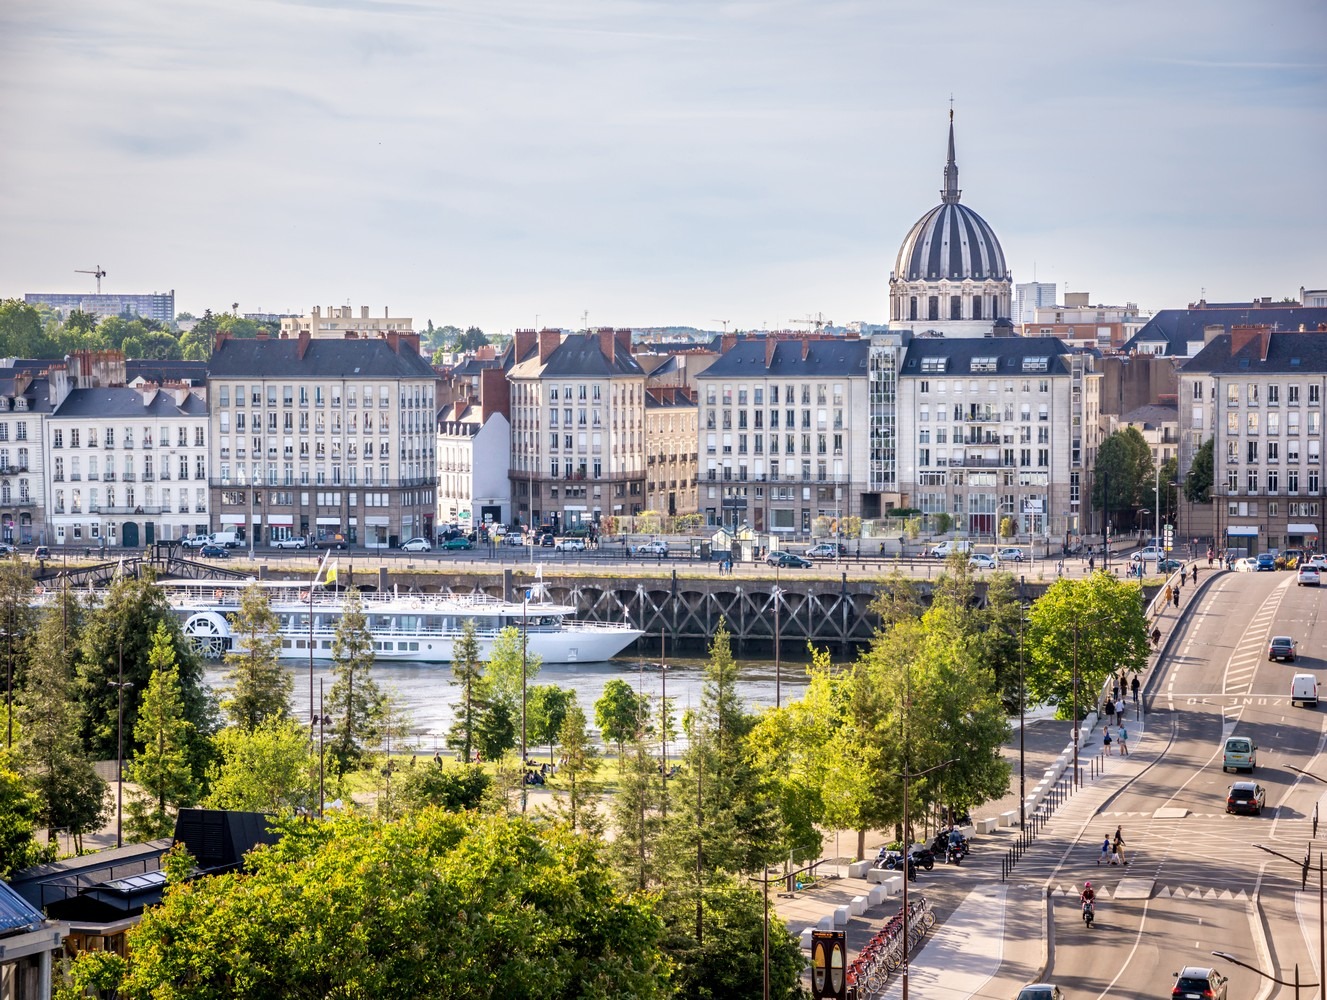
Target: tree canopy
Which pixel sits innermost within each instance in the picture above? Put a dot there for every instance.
(1123, 479)
(1198, 484)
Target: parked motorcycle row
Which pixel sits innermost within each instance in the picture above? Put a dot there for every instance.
(950, 845)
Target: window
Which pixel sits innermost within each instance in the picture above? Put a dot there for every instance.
(1251, 393)
(1273, 395)
(1292, 395)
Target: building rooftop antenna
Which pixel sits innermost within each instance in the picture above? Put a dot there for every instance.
(725, 323)
(98, 273)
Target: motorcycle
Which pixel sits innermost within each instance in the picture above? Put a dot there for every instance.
(893, 860)
(953, 854)
(1089, 912)
(953, 845)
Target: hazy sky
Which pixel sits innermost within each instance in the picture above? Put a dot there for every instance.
(498, 162)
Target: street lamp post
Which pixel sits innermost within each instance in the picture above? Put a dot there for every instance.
(1322, 900)
(525, 632)
(1228, 957)
(778, 671)
(320, 721)
(907, 855)
(119, 685)
(1022, 729)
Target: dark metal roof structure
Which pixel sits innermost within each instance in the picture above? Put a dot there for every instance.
(824, 359)
(1177, 328)
(123, 402)
(970, 357)
(350, 359)
(1287, 354)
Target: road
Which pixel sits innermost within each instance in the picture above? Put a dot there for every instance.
(1196, 883)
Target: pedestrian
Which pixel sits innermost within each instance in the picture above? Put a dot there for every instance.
(1156, 642)
(1124, 740)
(1105, 850)
(1108, 710)
(1169, 593)
(1107, 741)
(1210, 556)
(1114, 689)
(1177, 597)
(1118, 845)
(1091, 564)
(1134, 685)
(1193, 573)
(1119, 710)
(1184, 573)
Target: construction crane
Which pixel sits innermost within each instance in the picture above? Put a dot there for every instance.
(817, 321)
(98, 274)
(725, 323)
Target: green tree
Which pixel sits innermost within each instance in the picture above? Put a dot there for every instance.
(1169, 476)
(357, 908)
(70, 795)
(154, 346)
(258, 687)
(468, 675)
(1198, 484)
(942, 521)
(637, 816)
(271, 768)
(17, 619)
(618, 713)
(546, 708)
(19, 809)
(355, 703)
(453, 787)
(21, 332)
(161, 768)
(507, 673)
(578, 793)
(1099, 622)
(1122, 478)
(497, 729)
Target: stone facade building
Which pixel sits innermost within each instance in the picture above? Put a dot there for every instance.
(670, 450)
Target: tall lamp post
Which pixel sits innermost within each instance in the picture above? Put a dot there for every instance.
(907, 855)
(778, 671)
(525, 633)
(1228, 957)
(319, 720)
(119, 685)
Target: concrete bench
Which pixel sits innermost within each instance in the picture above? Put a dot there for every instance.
(807, 933)
(841, 915)
(893, 886)
(877, 895)
(1009, 818)
(987, 825)
(858, 869)
(826, 923)
(859, 905)
(878, 874)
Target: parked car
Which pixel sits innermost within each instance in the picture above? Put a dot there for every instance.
(194, 541)
(1012, 555)
(293, 542)
(1282, 647)
(1308, 576)
(1040, 991)
(1195, 983)
(547, 541)
(227, 539)
(459, 542)
(512, 538)
(7, 550)
(497, 530)
(942, 550)
(1149, 554)
(1319, 562)
(980, 560)
(569, 545)
(787, 560)
(331, 542)
(210, 551)
(827, 550)
(658, 547)
(1266, 561)
(416, 545)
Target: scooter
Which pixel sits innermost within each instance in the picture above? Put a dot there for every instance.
(1089, 912)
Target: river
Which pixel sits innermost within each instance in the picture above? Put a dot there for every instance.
(426, 693)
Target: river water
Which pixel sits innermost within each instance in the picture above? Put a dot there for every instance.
(429, 698)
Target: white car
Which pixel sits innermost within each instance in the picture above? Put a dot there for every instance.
(569, 545)
(194, 541)
(654, 548)
(416, 545)
(293, 542)
(980, 560)
(1011, 554)
(1149, 554)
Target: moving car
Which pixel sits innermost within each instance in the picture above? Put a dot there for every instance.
(787, 560)
(1149, 554)
(416, 545)
(1246, 796)
(1304, 687)
(194, 541)
(229, 539)
(981, 560)
(1239, 753)
(459, 542)
(1308, 576)
(942, 550)
(41, 552)
(1040, 991)
(570, 545)
(547, 541)
(1197, 983)
(1319, 562)
(1012, 555)
(210, 551)
(827, 550)
(293, 542)
(1266, 561)
(1282, 647)
(331, 542)
(512, 538)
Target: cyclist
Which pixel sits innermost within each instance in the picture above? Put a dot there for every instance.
(1088, 897)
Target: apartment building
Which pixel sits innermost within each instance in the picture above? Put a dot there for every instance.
(995, 428)
(1258, 394)
(670, 450)
(125, 466)
(474, 454)
(1082, 325)
(24, 406)
(341, 323)
(323, 438)
(577, 427)
(783, 432)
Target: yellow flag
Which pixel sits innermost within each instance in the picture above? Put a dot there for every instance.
(331, 574)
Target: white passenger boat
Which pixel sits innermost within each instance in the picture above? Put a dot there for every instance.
(409, 626)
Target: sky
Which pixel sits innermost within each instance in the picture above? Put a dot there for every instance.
(513, 163)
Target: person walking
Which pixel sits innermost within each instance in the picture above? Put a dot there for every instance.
(1108, 710)
(1193, 573)
(1124, 740)
(1176, 596)
(1135, 686)
(1210, 556)
(1169, 593)
(1105, 850)
(1091, 564)
(1119, 710)
(1118, 845)
(1106, 740)
(1184, 573)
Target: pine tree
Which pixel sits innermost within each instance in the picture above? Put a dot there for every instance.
(161, 767)
(70, 794)
(578, 805)
(636, 812)
(355, 704)
(258, 687)
(17, 621)
(468, 675)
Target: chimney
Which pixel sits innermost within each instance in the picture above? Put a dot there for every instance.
(386, 311)
(624, 340)
(771, 345)
(363, 312)
(394, 341)
(525, 341)
(727, 342)
(261, 334)
(1211, 331)
(303, 346)
(494, 393)
(317, 311)
(607, 341)
(1242, 336)
(806, 346)
(221, 339)
(549, 341)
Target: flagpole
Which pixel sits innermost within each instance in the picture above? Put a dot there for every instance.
(313, 583)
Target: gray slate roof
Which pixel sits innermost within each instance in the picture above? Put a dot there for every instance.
(1154, 414)
(351, 359)
(579, 355)
(127, 403)
(162, 371)
(1287, 354)
(824, 359)
(1009, 352)
(1177, 327)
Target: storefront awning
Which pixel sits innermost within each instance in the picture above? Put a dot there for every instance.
(232, 518)
(1302, 529)
(281, 519)
(330, 520)
(1243, 531)
(378, 521)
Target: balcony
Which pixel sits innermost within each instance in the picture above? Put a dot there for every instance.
(129, 477)
(121, 510)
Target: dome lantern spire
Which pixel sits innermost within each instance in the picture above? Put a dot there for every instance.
(951, 193)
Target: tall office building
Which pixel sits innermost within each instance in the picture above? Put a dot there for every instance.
(1030, 296)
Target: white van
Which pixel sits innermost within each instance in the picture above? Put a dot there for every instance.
(226, 539)
(943, 550)
(1240, 753)
(1304, 687)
